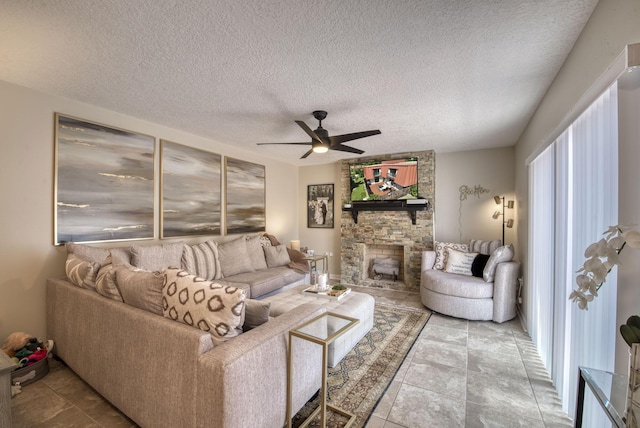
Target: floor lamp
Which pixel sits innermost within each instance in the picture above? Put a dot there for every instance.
(500, 200)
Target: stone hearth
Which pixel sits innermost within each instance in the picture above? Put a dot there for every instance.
(392, 229)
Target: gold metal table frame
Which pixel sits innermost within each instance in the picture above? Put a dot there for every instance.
(321, 330)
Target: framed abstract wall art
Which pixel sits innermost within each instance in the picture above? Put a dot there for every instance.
(320, 206)
(103, 183)
(191, 191)
(245, 210)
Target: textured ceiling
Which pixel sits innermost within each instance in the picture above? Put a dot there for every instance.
(446, 75)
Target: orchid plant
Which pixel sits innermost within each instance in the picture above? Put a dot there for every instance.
(602, 256)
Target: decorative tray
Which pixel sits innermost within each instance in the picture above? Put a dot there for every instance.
(327, 294)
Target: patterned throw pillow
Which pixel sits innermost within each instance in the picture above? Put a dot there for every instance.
(81, 272)
(202, 260)
(106, 281)
(441, 253)
(459, 262)
(484, 247)
(214, 308)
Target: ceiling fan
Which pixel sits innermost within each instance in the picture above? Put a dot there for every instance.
(321, 142)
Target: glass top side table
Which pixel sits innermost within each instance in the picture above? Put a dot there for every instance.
(322, 330)
(609, 389)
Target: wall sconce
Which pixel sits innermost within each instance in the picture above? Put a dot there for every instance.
(505, 204)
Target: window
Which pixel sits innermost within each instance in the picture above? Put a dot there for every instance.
(573, 199)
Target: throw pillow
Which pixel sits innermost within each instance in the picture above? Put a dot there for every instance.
(256, 313)
(277, 255)
(265, 241)
(256, 255)
(441, 253)
(478, 265)
(97, 255)
(106, 280)
(459, 262)
(157, 257)
(484, 247)
(234, 258)
(500, 255)
(214, 308)
(81, 271)
(202, 260)
(140, 288)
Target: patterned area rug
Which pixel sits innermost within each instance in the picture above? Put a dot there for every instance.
(361, 378)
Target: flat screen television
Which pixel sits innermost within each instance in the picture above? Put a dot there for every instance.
(384, 180)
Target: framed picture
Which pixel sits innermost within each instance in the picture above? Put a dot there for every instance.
(320, 206)
(103, 183)
(245, 210)
(191, 191)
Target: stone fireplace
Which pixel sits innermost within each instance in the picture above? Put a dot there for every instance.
(388, 233)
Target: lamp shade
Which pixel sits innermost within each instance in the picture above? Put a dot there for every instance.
(295, 245)
(498, 199)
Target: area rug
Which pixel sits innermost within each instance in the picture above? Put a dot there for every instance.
(358, 382)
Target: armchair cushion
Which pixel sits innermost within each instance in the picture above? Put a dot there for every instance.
(441, 252)
(500, 255)
(459, 262)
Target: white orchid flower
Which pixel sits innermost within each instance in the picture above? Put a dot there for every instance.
(611, 231)
(632, 238)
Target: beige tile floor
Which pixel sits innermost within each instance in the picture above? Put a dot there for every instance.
(458, 374)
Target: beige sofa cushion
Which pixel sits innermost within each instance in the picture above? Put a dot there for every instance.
(234, 257)
(256, 313)
(449, 284)
(277, 256)
(157, 257)
(140, 288)
(255, 252)
(211, 307)
(202, 260)
(98, 255)
(81, 271)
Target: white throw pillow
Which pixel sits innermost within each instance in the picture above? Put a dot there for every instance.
(211, 307)
(500, 255)
(459, 262)
(441, 252)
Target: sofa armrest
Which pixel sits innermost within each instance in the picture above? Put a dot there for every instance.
(243, 382)
(505, 289)
(428, 260)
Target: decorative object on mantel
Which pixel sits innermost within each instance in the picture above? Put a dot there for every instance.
(103, 183)
(500, 200)
(466, 191)
(602, 256)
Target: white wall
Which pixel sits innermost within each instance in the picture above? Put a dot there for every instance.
(459, 220)
(28, 256)
(321, 240)
(613, 24)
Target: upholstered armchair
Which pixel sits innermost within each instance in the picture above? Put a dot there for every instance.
(448, 284)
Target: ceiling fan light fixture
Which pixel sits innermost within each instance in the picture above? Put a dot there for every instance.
(320, 148)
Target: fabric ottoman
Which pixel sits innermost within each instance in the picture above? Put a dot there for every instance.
(356, 305)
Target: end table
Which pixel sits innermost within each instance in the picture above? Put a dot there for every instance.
(322, 330)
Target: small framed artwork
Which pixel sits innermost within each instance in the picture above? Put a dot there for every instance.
(245, 210)
(191, 191)
(320, 206)
(104, 182)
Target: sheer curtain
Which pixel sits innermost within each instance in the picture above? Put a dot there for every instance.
(574, 198)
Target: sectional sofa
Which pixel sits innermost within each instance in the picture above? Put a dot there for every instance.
(117, 323)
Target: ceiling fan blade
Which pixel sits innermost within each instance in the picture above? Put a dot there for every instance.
(297, 144)
(337, 139)
(343, 148)
(307, 154)
(308, 130)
